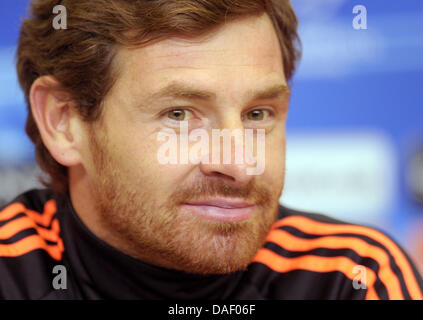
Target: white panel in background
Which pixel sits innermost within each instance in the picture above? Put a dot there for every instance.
(16, 180)
(346, 175)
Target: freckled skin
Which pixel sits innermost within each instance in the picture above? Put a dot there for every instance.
(128, 199)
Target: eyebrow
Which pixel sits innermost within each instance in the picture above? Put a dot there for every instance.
(271, 92)
(181, 90)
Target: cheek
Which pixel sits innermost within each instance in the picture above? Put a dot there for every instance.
(137, 160)
(275, 160)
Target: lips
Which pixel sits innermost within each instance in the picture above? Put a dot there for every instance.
(222, 210)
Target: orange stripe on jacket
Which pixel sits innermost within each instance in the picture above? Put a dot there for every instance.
(320, 228)
(32, 242)
(292, 243)
(371, 294)
(314, 264)
(43, 219)
(11, 210)
(29, 244)
(17, 225)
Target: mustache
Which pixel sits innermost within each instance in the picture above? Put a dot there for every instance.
(251, 192)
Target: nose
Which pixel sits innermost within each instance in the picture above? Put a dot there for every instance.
(226, 159)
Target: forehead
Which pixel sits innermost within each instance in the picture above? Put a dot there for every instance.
(240, 52)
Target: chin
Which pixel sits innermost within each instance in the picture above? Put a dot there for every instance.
(220, 254)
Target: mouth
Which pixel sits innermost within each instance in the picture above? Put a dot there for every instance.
(221, 209)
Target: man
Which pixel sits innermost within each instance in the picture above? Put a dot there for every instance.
(115, 222)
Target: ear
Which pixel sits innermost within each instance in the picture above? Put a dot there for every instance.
(60, 127)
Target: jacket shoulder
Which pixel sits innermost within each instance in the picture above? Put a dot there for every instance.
(30, 244)
(366, 257)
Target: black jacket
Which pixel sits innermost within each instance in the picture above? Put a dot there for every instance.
(46, 252)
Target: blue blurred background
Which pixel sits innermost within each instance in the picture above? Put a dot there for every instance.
(355, 129)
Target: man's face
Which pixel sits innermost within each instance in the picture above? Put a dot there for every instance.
(199, 218)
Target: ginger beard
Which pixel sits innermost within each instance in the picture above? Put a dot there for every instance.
(156, 230)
